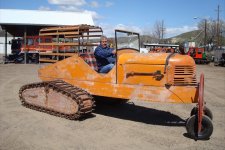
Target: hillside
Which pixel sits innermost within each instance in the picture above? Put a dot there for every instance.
(194, 36)
(188, 36)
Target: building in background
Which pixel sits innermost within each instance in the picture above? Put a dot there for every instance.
(21, 23)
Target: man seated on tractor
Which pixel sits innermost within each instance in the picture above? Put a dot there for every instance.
(105, 56)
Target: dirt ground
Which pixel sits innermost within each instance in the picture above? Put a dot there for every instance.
(131, 126)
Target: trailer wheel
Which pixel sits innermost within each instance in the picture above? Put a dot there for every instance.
(206, 129)
(206, 112)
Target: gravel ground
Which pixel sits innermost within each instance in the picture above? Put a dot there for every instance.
(130, 126)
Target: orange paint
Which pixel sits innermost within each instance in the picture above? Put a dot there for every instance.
(136, 75)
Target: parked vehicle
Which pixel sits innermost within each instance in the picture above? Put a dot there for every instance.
(219, 57)
(69, 86)
(198, 54)
(28, 48)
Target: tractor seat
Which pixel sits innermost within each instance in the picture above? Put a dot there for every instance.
(89, 58)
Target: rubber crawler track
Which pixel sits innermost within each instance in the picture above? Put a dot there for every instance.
(77, 94)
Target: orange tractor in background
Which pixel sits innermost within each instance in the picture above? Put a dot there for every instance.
(198, 54)
(161, 48)
(70, 86)
(29, 47)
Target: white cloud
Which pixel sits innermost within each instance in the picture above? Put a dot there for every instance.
(69, 8)
(75, 6)
(94, 4)
(109, 30)
(68, 2)
(94, 14)
(108, 4)
(147, 30)
(129, 28)
(179, 30)
(43, 8)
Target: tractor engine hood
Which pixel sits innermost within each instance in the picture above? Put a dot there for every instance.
(155, 59)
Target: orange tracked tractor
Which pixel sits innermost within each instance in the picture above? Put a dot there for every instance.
(68, 85)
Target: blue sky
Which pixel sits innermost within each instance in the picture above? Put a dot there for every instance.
(135, 15)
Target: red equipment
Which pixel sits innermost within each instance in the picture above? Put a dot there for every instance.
(198, 54)
(32, 44)
(31, 49)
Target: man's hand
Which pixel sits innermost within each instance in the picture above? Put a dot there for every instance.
(114, 51)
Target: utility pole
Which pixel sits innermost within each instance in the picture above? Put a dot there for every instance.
(162, 31)
(205, 34)
(218, 26)
(162, 28)
(205, 30)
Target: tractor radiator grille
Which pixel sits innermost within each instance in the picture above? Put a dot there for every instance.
(185, 75)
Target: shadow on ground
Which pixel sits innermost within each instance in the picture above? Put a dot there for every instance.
(130, 111)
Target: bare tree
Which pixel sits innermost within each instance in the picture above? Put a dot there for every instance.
(210, 27)
(159, 31)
